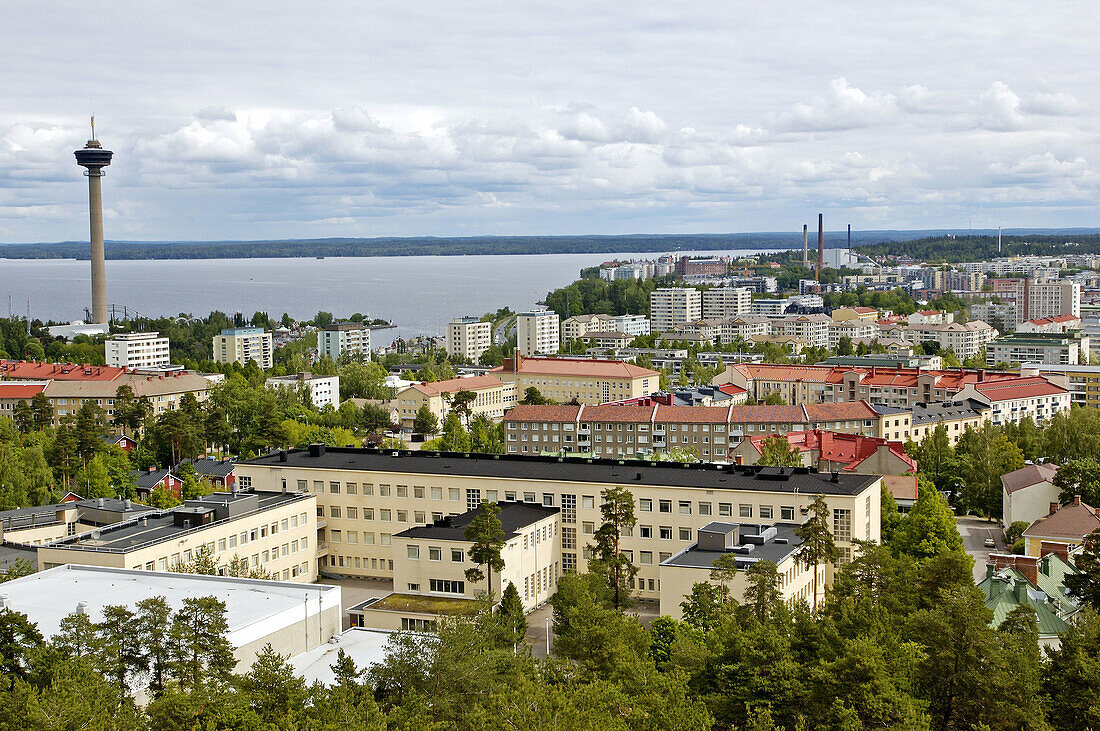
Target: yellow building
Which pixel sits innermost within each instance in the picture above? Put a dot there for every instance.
(493, 398)
(242, 344)
(367, 497)
(275, 531)
(1083, 381)
(586, 381)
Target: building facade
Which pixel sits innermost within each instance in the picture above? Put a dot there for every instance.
(344, 338)
(242, 344)
(672, 306)
(468, 338)
(492, 398)
(538, 332)
(726, 302)
(587, 381)
(321, 391)
(137, 350)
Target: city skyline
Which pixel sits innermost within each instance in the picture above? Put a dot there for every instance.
(465, 120)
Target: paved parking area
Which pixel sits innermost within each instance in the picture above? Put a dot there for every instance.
(974, 532)
(353, 591)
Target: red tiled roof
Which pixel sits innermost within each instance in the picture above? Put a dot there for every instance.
(454, 385)
(765, 413)
(579, 367)
(849, 449)
(1018, 388)
(633, 414)
(532, 412)
(692, 414)
(841, 411)
(28, 371)
(16, 390)
(864, 310)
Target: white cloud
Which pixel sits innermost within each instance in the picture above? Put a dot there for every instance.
(999, 108)
(843, 107)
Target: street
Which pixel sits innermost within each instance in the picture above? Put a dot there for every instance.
(974, 531)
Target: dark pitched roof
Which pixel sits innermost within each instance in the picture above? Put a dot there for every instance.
(214, 468)
(705, 475)
(513, 517)
(149, 480)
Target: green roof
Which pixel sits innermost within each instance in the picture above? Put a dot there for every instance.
(1008, 589)
(398, 602)
(1053, 571)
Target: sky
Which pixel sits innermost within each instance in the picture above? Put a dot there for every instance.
(248, 120)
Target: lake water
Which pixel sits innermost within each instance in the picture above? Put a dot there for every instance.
(419, 293)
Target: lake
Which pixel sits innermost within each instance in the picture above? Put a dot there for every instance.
(419, 293)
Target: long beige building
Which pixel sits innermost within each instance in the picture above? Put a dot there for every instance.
(587, 381)
(468, 338)
(369, 496)
(242, 344)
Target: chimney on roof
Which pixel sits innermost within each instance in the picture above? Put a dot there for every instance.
(1053, 508)
(1076, 499)
(1019, 592)
(152, 469)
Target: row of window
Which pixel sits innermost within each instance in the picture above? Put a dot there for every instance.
(434, 553)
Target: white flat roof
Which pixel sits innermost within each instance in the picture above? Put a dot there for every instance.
(254, 608)
(365, 646)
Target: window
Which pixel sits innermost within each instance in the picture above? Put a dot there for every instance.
(352, 513)
(447, 586)
(335, 534)
(453, 494)
(685, 534)
(744, 511)
(318, 486)
(417, 625)
(413, 587)
(786, 512)
(334, 487)
(303, 486)
(435, 554)
(842, 525)
(473, 499)
(685, 507)
(334, 511)
(384, 539)
(384, 515)
(766, 512)
(402, 491)
(568, 537)
(457, 556)
(368, 489)
(645, 531)
(645, 505)
(368, 513)
(402, 516)
(588, 527)
(725, 509)
(418, 493)
(528, 497)
(368, 538)
(666, 532)
(665, 506)
(548, 499)
(437, 493)
(645, 557)
(588, 501)
(704, 509)
(413, 552)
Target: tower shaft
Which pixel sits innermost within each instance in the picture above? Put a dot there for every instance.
(99, 266)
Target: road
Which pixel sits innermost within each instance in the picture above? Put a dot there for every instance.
(974, 531)
(500, 334)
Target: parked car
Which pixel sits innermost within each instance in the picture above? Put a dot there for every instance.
(990, 543)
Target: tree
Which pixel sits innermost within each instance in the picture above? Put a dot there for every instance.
(42, 411)
(703, 607)
(122, 655)
(817, 540)
(1086, 585)
(425, 422)
(928, 529)
(724, 572)
(513, 623)
(987, 454)
(19, 638)
(373, 419)
(777, 451)
(271, 689)
(533, 396)
(617, 510)
(1072, 683)
(1079, 477)
(200, 651)
(23, 416)
(455, 438)
(762, 592)
(91, 427)
(488, 539)
(461, 404)
(936, 457)
(152, 624)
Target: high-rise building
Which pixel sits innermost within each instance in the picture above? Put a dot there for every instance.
(672, 306)
(1037, 298)
(538, 332)
(242, 344)
(468, 338)
(94, 158)
(726, 302)
(137, 350)
(344, 338)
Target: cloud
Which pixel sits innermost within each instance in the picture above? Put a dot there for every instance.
(843, 107)
(1052, 103)
(999, 108)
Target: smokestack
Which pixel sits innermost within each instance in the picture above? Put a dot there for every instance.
(805, 245)
(94, 158)
(998, 239)
(820, 246)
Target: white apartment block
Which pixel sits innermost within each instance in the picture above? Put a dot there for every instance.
(853, 329)
(672, 306)
(538, 332)
(1046, 349)
(726, 302)
(634, 325)
(344, 338)
(242, 344)
(369, 497)
(964, 339)
(811, 329)
(468, 338)
(321, 390)
(137, 350)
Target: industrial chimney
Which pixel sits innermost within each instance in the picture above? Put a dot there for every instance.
(94, 158)
(805, 242)
(820, 246)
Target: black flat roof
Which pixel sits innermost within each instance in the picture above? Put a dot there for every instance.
(513, 517)
(696, 558)
(705, 475)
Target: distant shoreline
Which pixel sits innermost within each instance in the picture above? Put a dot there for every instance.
(483, 245)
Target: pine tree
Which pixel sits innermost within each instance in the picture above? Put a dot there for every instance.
(153, 623)
(488, 539)
(120, 645)
(200, 651)
(617, 509)
(513, 623)
(762, 592)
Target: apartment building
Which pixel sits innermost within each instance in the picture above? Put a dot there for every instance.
(1058, 324)
(12, 392)
(1016, 399)
(865, 314)
(321, 391)
(468, 338)
(963, 339)
(492, 398)
(242, 344)
(1083, 381)
(1037, 298)
(378, 494)
(748, 543)
(577, 326)
(633, 325)
(672, 306)
(586, 381)
(708, 432)
(344, 338)
(538, 332)
(955, 416)
(137, 350)
(854, 329)
(720, 302)
(1042, 348)
(274, 530)
(431, 559)
(813, 330)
